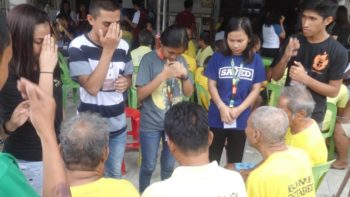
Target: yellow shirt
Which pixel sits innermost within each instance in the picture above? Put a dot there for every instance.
(202, 81)
(284, 173)
(192, 66)
(203, 54)
(127, 36)
(191, 50)
(138, 53)
(105, 187)
(310, 140)
(340, 101)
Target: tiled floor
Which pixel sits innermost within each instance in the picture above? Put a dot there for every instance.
(328, 187)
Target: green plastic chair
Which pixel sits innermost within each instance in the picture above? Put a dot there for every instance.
(319, 172)
(267, 61)
(132, 92)
(273, 93)
(201, 92)
(67, 81)
(328, 134)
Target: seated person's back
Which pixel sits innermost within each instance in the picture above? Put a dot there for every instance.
(84, 147)
(285, 173)
(284, 170)
(303, 131)
(189, 139)
(310, 140)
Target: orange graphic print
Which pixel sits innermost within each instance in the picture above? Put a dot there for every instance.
(320, 62)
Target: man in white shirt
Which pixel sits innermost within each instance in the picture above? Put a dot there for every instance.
(186, 126)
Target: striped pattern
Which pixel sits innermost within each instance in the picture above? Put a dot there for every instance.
(84, 57)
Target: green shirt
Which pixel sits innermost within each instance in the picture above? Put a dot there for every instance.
(12, 180)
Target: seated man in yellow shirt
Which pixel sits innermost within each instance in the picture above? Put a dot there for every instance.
(205, 49)
(285, 170)
(84, 147)
(303, 131)
(202, 80)
(340, 101)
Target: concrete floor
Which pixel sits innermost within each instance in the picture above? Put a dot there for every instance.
(328, 187)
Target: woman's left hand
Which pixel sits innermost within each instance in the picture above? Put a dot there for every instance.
(48, 54)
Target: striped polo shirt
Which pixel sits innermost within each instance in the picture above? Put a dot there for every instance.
(84, 56)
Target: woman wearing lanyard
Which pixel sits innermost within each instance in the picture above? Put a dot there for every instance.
(235, 76)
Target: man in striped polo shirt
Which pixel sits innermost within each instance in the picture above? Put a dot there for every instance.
(99, 62)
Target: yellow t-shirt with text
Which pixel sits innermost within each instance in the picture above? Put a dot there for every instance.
(105, 187)
(310, 140)
(284, 173)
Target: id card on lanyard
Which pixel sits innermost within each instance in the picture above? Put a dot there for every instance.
(235, 80)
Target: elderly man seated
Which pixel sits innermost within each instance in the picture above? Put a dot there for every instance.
(284, 171)
(84, 147)
(186, 125)
(303, 131)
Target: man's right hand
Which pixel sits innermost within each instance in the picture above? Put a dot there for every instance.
(111, 40)
(292, 48)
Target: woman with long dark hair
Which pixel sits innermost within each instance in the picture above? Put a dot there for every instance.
(35, 58)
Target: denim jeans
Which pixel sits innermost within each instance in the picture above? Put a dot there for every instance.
(33, 171)
(114, 162)
(150, 141)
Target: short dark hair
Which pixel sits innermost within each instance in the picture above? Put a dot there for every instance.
(205, 36)
(97, 5)
(236, 24)
(324, 8)
(145, 38)
(5, 36)
(186, 124)
(138, 2)
(174, 36)
(188, 4)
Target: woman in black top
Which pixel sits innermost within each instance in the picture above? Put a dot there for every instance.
(35, 58)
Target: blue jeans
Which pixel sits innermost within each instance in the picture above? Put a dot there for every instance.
(33, 171)
(113, 165)
(149, 149)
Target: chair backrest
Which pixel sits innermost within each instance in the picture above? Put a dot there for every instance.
(202, 94)
(65, 74)
(319, 172)
(267, 61)
(333, 109)
(273, 93)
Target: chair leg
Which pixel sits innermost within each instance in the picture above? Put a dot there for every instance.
(75, 95)
(331, 149)
(64, 96)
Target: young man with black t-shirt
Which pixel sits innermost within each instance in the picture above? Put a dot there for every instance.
(314, 58)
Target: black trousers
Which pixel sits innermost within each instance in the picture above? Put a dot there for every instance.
(232, 139)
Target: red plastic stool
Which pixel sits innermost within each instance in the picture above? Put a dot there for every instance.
(134, 115)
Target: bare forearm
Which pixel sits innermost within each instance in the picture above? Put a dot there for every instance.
(325, 89)
(278, 70)
(46, 82)
(95, 80)
(54, 181)
(146, 90)
(251, 97)
(187, 87)
(214, 93)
